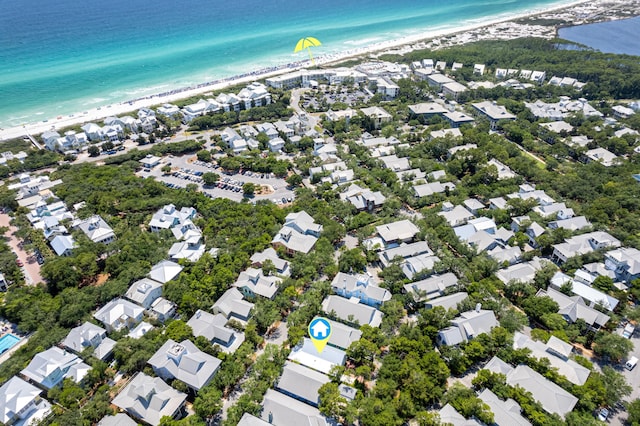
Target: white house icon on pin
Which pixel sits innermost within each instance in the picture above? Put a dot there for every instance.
(320, 330)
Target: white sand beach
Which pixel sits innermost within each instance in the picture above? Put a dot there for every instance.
(398, 45)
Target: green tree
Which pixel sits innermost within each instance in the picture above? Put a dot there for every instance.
(166, 169)
(611, 346)
(294, 180)
(204, 155)
(178, 331)
(93, 151)
(352, 261)
(248, 189)
(210, 178)
(634, 413)
(208, 402)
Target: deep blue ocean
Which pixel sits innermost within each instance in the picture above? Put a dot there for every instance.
(67, 56)
(622, 36)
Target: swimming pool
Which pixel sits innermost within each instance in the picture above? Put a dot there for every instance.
(7, 342)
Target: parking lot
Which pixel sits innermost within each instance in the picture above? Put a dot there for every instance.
(188, 170)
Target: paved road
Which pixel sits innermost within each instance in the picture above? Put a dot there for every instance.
(633, 378)
(31, 269)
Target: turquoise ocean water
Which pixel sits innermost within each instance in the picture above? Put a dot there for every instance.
(63, 57)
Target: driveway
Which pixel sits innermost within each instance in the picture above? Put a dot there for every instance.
(31, 269)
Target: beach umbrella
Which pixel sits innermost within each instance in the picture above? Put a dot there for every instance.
(307, 43)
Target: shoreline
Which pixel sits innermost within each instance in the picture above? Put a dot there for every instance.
(400, 45)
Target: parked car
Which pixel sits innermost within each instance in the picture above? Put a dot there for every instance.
(20, 263)
(628, 331)
(603, 414)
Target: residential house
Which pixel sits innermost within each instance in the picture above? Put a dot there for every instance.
(557, 353)
(253, 282)
(140, 330)
(522, 272)
(377, 115)
(298, 234)
(449, 416)
(306, 354)
(427, 109)
(21, 404)
(427, 189)
(625, 262)
(457, 216)
(394, 163)
(467, 326)
(89, 335)
(269, 254)
(437, 80)
(493, 112)
(164, 271)
(280, 409)
(602, 156)
(589, 294)
(571, 224)
(232, 305)
(342, 336)
(351, 311)
(473, 205)
(144, 292)
(363, 199)
(398, 232)
(404, 251)
(63, 245)
(453, 89)
(301, 383)
(169, 217)
(150, 161)
(118, 314)
(49, 368)
(163, 309)
(432, 287)
(450, 301)
(96, 229)
(148, 399)
(214, 329)
(191, 249)
(360, 286)
(185, 362)
(505, 413)
(583, 244)
(120, 419)
(460, 148)
(552, 397)
(573, 307)
(249, 419)
(443, 133)
(414, 265)
(457, 118)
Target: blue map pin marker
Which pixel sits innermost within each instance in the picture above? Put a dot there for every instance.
(319, 332)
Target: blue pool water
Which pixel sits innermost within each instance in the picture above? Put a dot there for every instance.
(7, 342)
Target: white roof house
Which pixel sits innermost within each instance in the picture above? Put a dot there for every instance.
(427, 189)
(414, 265)
(397, 232)
(89, 335)
(232, 305)
(363, 199)
(301, 383)
(185, 362)
(63, 245)
(248, 419)
(96, 229)
(360, 286)
(49, 368)
(253, 282)
(280, 409)
(169, 217)
(352, 311)
(404, 251)
(557, 353)
(450, 301)
(602, 156)
(298, 234)
(281, 265)
(467, 326)
(163, 309)
(342, 336)
(431, 287)
(572, 308)
(149, 399)
(118, 314)
(457, 216)
(120, 419)
(21, 404)
(583, 244)
(505, 413)
(213, 328)
(522, 272)
(144, 292)
(164, 271)
(589, 294)
(493, 112)
(306, 354)
(625, 262)
(552, 397)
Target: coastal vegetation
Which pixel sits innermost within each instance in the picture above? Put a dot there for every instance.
(396, 369)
